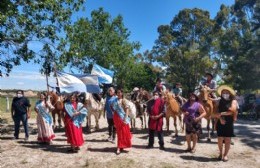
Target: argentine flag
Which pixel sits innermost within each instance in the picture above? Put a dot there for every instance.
(69, 83)
(91, 82)
(104, 75)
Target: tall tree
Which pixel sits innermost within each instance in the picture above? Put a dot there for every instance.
(100, 40)
(29, 24)
(239, 44)
(184, 47)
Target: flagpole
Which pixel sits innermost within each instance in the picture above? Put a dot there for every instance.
(55, 73)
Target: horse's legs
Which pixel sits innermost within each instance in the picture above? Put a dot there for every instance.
(208, 129)
(175, 125)
(88, 124)
(142, 121)
(97, 123)
(54, 119)
(145, 120)
(59, 119)
(167, 124)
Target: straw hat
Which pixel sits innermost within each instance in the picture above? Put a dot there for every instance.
(136, 89)
(225, 87)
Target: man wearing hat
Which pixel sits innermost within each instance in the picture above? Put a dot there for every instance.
(211, 83)
(227, 109)
(178, 93)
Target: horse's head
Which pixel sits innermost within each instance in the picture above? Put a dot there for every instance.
(204, 93)
(56, 101)
(144, 96)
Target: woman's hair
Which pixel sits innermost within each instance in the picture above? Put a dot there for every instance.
(121, 90)
(193, 94)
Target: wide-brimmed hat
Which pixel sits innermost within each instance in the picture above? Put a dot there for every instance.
(136, 89)
(210, 74)
(225, 87)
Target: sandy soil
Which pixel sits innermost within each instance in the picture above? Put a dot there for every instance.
(98, 152)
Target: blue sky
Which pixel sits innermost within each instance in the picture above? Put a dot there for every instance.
(140, 17)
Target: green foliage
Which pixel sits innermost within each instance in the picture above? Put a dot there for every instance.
(239, 44)
(24, 23)
(184, 47)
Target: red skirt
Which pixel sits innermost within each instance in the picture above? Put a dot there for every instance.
(73, 133)
(124, 135)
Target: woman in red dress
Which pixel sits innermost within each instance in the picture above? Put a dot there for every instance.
(75, 113)
(121, 121)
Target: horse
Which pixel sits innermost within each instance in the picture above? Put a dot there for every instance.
(141, 103)
(95, 108)
(172, 110)
(57, 103)
(204, 94)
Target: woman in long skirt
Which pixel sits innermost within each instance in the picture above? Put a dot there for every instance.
(75, 113)
(44, 120)
(121, 121)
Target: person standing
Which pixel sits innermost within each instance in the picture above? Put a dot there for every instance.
(109, 113)
(75, 113)
(193, 113)
(156, 111)
(44, 120)
(227, 108)
(121, 121)
(20, 111)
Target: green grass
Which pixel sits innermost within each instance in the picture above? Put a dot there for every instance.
(6, 114)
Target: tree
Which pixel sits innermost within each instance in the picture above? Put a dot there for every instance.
(184, 47)
(239, 44)
(101, 40)
(24, 23)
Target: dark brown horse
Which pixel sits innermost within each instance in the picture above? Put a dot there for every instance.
(141, 103)
(57, 102)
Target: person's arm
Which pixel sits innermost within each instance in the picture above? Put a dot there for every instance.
(202, 113)
(12, 110)
(28, 108)
(232, 109)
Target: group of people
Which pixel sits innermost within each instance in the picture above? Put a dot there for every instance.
(117, 113)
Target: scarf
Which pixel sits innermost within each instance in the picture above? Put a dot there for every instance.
(77, 120)
(43, 111)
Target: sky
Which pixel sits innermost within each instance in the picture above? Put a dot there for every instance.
(140, 17)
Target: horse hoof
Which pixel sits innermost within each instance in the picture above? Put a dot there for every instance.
(209, 140)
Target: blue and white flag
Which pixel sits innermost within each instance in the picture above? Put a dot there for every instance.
(69, 83)
(104, 75)
(91, 82)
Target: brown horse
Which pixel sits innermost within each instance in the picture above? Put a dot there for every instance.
(172, 110)
(208, 106)
(141, 102)
(57, 102)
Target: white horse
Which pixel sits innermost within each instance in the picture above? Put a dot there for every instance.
(94, 108)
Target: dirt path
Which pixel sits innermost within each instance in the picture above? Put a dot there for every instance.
(97, 152)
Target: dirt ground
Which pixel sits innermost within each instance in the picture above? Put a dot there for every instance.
(98, 152)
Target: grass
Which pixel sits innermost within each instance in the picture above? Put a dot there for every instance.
(6, 114)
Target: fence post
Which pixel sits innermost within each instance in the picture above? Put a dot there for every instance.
(7, 104)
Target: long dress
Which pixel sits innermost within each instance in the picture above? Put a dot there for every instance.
(124, 135)
(73, 127)
(44, 123)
